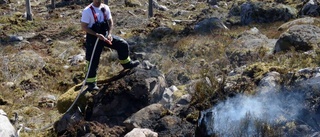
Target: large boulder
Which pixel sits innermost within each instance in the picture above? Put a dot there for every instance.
(252, 39)
(171, 125)
(145, 117)
(247, 46)
(299, 21)
(119, 97)
(208, 25)
(126, 101)
(300, 38)
(311, 8)
(263, 12)
(3, 1)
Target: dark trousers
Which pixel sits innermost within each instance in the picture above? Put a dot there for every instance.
(118, 44)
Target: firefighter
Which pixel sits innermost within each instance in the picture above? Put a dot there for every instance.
(96, 21)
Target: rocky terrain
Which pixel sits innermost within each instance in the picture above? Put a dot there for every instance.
(208, 68)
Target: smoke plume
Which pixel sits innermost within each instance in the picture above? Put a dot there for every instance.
(239, 114)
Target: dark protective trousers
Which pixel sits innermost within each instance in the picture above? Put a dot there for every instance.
(118, 44)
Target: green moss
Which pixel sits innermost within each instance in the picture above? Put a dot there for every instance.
(18, 23)
(66, 99)
(193, 116)
(50, 69)
(165, 112)
(178, 94)
(294, 60)
(31, 111)
(19, 92)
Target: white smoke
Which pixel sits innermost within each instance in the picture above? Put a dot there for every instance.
(229, 117)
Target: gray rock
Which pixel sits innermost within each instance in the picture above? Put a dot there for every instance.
(6, 128)
(132, 3)
(263, 12)
(300, 21)
(3, 1)
(311, 8)
(66, 120)
(15, 38)
(177, 126)
(147, 65)
(156, 5)
(251, 39)
(184, 100)
(212, 2)
(141, 132)
(269, 83)
(246, 45)
(76, 59)
(161, 32)
(299, 37)
(208, 25)
(144, 117)
(177, 77)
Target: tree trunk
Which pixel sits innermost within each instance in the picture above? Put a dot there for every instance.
(28, 7)
(53, 4)
(150, 8)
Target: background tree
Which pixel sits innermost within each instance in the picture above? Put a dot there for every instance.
(28, 7)
(150, 8)
(53, 4)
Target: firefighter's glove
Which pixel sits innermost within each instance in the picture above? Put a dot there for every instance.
(101, 37)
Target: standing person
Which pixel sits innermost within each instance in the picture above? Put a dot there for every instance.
(96, 21)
